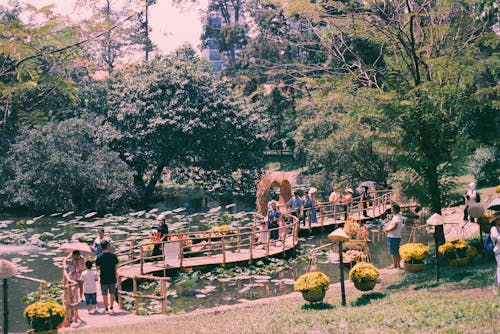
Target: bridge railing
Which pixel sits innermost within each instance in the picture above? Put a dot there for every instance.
(379, 203)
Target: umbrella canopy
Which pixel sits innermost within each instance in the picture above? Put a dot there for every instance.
(369, 184)
(7, 269)
(494, 205)
(73, 246)
(435, 220)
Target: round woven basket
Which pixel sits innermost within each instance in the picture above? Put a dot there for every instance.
(365, 286)
(458, 262)
(414, 267)
(316, 295)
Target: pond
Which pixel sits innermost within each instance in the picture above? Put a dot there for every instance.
(32, 244)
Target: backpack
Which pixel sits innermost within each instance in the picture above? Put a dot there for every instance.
(488, 244)
(478, 198)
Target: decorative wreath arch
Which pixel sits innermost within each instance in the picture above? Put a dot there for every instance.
(284, 180)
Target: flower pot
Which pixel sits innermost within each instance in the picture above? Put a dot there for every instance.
(414, 267)
(458, 262)
(364, 285)
(316, 295)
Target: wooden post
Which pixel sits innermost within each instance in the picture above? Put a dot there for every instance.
(223, 246)
(181, 255)
(252, 238)
(119, 286)
(268, 242)
(132, 244)
(136, 300)
(238, 241)
(341, 266)
(209, 245)
(142, 260)
(5, 308)
(163, 297)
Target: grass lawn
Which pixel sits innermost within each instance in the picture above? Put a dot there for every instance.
(462, 302)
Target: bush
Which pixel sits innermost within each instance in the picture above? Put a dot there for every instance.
(44, 316)
(64, 166)
(414, 253)
(484, 166)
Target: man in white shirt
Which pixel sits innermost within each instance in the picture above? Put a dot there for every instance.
(97, 248)
(393, 231)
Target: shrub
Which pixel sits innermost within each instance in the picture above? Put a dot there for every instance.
(363, 272)
(414, 252)
(484, 166)
(64, 166)
(454, 249)
(313, 281)
(44, 316)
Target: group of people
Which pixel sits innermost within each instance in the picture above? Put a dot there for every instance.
(80, 270)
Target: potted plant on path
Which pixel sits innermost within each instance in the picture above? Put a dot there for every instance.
(414, 255)
(44, 316)
(455, 251)
(364, 275)
(313, 286)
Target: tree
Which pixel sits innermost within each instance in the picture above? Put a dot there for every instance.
(65, 166)
(173, 113)
(419, 62)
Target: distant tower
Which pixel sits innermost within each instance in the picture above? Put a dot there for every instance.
(224, 18)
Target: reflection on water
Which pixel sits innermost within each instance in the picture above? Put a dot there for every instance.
(42, 262)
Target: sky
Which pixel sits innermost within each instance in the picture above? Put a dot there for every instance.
(171, 27)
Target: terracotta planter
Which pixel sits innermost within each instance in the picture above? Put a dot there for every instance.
(365, 286)
(458, 262)
(414, 267)
(312, 296)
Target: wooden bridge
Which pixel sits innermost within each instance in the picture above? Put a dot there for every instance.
(184, 251)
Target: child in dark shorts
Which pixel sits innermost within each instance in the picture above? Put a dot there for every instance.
(89, 279)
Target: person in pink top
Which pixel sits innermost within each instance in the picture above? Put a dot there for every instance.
(75, 270)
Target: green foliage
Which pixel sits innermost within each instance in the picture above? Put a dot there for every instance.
(173, 113)
(64, 166)
(485, 165)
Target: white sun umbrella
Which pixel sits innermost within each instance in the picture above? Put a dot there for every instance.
(494, 205)
(73, 246)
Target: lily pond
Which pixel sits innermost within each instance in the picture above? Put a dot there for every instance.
(32, 244)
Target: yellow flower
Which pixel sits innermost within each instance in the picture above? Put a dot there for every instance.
(414, 252)
(454, 249)
(312, 281)
(363, 272)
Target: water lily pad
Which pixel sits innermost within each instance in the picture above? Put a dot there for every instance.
(68, 214)
(201, 295)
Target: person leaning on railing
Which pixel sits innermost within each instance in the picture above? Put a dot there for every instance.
(161, 235)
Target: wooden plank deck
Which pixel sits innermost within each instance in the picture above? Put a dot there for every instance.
(258, 252)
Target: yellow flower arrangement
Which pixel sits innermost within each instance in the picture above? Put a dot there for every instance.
(454, 249)
(315, 280)
(363, 272)
(413, 253)
(44, 316)
(354, 255)
(351, 228)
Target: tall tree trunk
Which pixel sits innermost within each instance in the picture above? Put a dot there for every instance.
(155, 177)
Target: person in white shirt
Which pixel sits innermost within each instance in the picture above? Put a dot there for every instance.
(470, 199)
(393, 231)
(89, 279)
(334, 198)
(97, 242)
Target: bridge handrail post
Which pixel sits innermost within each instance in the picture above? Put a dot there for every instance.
(238, 240)
(136, 298)
(163, 297)
(142, 260)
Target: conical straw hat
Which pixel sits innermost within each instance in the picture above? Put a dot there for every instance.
(7, 269)
(435, 219)
(338, 235)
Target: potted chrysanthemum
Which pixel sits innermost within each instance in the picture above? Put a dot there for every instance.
(313, 286)
(43, 316)
(455, 251)
(414, 255)
(364, 276)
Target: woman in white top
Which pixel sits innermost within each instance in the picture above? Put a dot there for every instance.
(495, 237)
(393, 231)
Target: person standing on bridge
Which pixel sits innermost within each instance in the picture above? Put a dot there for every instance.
(393, 231)
(96, 246)
(161, 236)
(295, 204)
(347, 200)
(106, 263)
(89, 279)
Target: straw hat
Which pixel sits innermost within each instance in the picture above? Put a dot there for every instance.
(312, 190)
(349, 190)
(472, 186)
(495, 217)
(7, 269)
